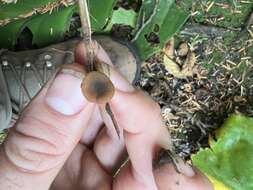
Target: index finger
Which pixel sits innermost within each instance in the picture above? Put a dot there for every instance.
(144, 132)
(140, 117)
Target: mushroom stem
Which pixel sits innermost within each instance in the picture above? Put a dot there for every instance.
(110, 113)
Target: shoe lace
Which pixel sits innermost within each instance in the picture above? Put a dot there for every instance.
(28, 77)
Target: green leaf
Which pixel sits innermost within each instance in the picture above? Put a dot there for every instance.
(13, 10)
(145, 13)
(50, 28)
(122, 16)
(101, 12)
(230, 158)
(160, 24)
(9, 33)
(46, 28)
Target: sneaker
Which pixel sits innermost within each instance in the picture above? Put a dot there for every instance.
(5, 103)
(23, 74)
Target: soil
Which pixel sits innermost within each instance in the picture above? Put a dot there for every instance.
(222, 82)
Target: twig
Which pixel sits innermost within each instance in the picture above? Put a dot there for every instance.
(86, 27)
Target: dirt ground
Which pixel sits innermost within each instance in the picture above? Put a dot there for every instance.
(218, 38)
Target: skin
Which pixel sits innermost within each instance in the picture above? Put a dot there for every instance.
(49, 150)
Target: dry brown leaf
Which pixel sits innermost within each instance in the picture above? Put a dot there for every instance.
(169, 48)
(187, 68)
(189, 63)
(183, 50)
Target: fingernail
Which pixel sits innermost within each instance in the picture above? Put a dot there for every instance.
(185, 168)
(168, 157)
(64, 95)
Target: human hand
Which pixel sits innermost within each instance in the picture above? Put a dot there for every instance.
(61, 142)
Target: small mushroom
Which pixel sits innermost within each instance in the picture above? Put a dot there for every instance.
(97, 87)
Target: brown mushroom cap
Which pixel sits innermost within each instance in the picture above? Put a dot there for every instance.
(97, 87)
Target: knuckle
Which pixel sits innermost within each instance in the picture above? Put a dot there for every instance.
(52, 132)
(35, 146)
(26, 159)
(45, 133)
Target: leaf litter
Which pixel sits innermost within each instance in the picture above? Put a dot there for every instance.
(197, 91)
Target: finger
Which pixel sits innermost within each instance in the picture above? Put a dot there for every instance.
(140, 117)
(80, 53)
(88, 174)
(166, 179)
(47, 132)
(144, 112)
(141, 149)
(126, 181)
(92, 129)
(109, 151)
(69, 173)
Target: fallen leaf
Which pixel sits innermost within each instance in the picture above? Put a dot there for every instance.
(183, 50)
(169, 48)
(187, 69)
(229, 160)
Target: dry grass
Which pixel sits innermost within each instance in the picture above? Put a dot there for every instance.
(40, 10)
(194, 107)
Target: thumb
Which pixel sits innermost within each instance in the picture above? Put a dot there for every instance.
(46, 133)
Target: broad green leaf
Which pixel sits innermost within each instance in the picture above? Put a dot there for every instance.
(9, 33)
(13, 10)
(49, 28)
(101, 12)
(147, 9)
(160, 24)
(46, 29)
(229, 160)
(122, 16)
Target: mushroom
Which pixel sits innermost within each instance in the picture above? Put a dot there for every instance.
(97, 87)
